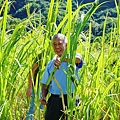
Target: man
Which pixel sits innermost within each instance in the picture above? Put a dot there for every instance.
(54, 110)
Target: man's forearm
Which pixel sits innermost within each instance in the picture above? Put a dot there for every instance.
(31, 74)
(78, 60)
(44, 90)
(30, 81)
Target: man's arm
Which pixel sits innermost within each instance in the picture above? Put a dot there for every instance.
(78, 59)
(30, 83)
(44, 94)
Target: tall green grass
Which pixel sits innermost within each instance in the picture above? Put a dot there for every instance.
(99, 86)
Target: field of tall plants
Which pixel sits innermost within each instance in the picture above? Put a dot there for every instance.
(99, 87)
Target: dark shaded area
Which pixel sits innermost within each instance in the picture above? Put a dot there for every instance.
(40, 7)
(15, 7)
(18, 7)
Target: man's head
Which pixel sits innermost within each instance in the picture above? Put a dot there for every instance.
(59, 43)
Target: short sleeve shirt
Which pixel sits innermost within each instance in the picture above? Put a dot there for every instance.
(60, 76)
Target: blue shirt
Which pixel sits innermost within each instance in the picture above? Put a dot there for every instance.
(60, 77)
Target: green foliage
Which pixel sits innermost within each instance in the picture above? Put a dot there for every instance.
(22, 40)
(40, 10)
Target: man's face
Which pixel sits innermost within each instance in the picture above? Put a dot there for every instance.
(59, 46)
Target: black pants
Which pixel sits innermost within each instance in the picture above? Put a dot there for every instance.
(55, 108)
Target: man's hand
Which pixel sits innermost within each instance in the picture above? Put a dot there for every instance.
(29, 92)
(57, 62)
(43, 101)
(44, 94)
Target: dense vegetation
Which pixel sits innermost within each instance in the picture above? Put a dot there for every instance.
(21, 40)
(39, 9)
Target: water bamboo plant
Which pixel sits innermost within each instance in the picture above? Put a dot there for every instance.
(99, 86)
